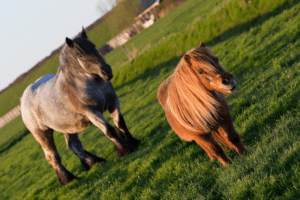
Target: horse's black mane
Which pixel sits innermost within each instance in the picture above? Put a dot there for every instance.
(82, 49)
(86, 47)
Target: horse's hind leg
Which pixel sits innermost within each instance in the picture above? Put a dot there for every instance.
(212, 148)
(87, 159)
(45, 138)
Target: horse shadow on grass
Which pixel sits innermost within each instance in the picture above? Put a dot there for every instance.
(14, 140)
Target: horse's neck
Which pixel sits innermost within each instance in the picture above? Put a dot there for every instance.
(73, 73)
(67, 81)
(79, 84)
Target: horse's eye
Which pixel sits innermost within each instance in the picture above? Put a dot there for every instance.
(201, 72)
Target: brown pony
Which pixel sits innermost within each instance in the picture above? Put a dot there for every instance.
(194, 104)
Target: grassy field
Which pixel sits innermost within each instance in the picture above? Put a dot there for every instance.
(260, 45)
(174, 22)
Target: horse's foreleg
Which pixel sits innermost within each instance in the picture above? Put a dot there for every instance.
(87, 159)
(233, 138)
(212, 148)
(45, 138)
(121, 145)
(121, 127)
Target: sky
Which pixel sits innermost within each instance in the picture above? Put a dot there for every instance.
(30, 30)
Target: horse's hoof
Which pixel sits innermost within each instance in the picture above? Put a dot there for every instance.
(65, 183)
(226, 161)
(245, 152)
(66, 178)
(90, 161)
(241, 151)
(131, 146)
(135, 142)
(122, 152)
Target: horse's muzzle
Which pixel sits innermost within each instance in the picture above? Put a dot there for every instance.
(107, 78)
(230, 86)
(110, 77)
(233, 88)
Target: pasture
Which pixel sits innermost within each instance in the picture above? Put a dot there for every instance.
(259, 43)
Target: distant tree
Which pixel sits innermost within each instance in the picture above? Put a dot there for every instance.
(121, 13)
(104, 6)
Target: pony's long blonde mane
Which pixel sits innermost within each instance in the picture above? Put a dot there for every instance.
(188, 100)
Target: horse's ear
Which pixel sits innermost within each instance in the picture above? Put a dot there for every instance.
(69, 42)
(83, 33)
(187, 59)
(201, 44)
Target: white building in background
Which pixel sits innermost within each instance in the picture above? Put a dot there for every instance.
(145, 18)
(146, 12)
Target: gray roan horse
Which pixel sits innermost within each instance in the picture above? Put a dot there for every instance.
(70, 101)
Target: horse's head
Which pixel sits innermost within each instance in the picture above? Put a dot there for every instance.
(88, 58)
(209, 71)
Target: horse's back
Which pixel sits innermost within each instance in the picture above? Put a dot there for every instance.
(31, 91)
(30, 101)
(162, 92)
(42, 80)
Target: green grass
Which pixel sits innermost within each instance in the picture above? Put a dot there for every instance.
(12, 133)
(262, 49)
(178, 20)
